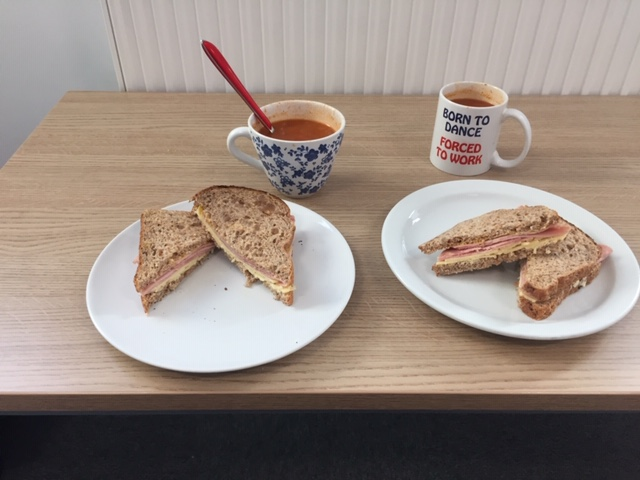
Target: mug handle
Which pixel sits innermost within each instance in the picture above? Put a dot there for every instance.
(239, 154)
(524, 121)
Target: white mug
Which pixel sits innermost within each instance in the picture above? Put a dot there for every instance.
(296, 168)
(467, 126)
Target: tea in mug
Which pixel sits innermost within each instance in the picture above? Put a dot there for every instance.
(472, 102)
(297, 129)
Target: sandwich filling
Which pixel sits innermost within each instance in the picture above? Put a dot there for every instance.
(179, 268)
(504, 245)
(262, 274)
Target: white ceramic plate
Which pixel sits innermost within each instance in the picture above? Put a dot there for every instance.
(487, 299)
(212, 322)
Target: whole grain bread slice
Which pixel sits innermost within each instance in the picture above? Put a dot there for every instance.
(546, 279)
(488, 262)
(166, 238)
(255, 229)
(495, 224)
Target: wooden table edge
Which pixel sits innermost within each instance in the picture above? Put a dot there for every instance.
(96, 403)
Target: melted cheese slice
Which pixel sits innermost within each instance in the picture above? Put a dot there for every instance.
(533, 244)
(524, 295)
(273, 285)
(580, 283)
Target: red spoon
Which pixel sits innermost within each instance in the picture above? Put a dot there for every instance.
(227, 72)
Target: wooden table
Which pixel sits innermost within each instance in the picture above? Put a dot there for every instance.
(98, 159)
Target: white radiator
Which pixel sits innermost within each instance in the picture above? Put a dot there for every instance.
(589, 47)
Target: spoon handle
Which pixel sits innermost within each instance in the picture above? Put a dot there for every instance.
(227, 72)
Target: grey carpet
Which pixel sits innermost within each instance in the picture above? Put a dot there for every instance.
(322, 445)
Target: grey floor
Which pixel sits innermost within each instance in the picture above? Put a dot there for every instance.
(322, 445)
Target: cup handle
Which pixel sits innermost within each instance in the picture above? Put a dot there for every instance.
(239, 154)
(524, 121)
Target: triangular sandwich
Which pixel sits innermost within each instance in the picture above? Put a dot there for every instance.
(172, 244)
(547, 279)
(255, 229)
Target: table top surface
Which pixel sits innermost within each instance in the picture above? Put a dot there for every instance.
(99, 158)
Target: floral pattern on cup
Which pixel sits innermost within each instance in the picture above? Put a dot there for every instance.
(298, 171)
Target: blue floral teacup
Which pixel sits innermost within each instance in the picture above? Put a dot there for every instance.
(296, 168)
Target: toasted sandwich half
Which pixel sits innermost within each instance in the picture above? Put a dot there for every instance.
(505, 235)
(546, 279)
(255, 230)
(172, 244)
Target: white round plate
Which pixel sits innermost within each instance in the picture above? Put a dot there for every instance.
(487, 299)
(212, 322)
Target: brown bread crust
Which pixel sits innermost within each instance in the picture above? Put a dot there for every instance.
(497, 223)
(257, 224)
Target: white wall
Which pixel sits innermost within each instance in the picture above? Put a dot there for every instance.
(48, 47)
(532, 47)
